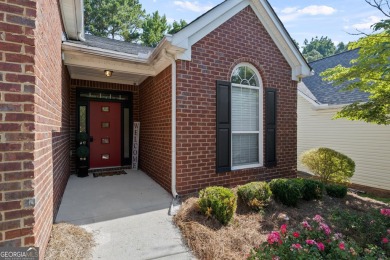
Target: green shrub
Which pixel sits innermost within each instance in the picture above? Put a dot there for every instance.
(82, 151)
(335, 190)
(312, 189)
(287, 191)
(219, 202)
(329, 165)
(315, 240)
(366, 227)
(255, 194)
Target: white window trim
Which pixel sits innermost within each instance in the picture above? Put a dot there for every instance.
(261, 112)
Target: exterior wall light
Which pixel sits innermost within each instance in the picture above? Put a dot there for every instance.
(108, 73)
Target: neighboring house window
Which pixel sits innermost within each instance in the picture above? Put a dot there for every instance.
(246, 117)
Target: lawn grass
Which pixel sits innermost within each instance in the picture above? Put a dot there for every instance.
(385, 200)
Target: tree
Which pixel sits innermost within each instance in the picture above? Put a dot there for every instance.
(369, 73)
(177, 26)
(153, 29)
(323, 45)
(117, 19)
(313, 55)
(341, 47)
(296, 43)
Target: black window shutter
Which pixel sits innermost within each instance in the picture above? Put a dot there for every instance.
(223, 126)
(270, 127)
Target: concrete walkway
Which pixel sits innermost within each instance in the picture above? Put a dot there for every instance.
(128, 215)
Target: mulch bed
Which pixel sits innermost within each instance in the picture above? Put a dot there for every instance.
(68, 241)
(208, 239)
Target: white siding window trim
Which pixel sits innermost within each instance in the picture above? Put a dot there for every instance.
(259, 132)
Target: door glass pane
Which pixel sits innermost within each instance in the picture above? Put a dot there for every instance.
(83, 118)
(126, 136)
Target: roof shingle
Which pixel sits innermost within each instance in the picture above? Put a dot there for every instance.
(325, 92)
(113, 45)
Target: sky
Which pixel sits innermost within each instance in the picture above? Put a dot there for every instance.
(303, 19)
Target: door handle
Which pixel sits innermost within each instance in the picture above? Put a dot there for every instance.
(91, 139)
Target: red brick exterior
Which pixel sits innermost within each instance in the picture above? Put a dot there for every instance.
(38, 114)
(241, 39)
(76, 83)
(34, 115)
(155, 135)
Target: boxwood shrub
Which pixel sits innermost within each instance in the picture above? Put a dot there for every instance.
(312, 189)
(255, 194)
(218, 202)
(287, 191)
(335, 190)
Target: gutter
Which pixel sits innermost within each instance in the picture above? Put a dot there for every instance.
(173, 166)
(140, 57)
(318, 106)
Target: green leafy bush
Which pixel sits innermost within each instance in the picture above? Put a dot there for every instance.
(255, 194)
(218, 202)
(335, 190)
(312, 189)
(82, 151)
(315, 240)
(287, 191)
(329, 165)
(82, 137)
(366, 227)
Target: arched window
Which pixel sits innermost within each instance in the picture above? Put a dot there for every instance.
(247, 119)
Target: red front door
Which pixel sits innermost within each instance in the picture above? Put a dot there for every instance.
(105, 129)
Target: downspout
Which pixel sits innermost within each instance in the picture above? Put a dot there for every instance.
(173, 161)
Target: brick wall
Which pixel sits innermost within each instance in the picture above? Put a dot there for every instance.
(34, 121)
(17, 23)
(51, 155)
(155, 134)
(75, 83)
(241, 39)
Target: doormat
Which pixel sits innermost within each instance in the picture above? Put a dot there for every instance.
(109, 173)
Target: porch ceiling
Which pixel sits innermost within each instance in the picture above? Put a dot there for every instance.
(89, 62)
(97, 74)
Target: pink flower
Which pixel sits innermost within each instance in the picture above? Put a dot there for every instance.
(296, 234)
(385, 240)
(275, 257)
(320, 246)
(337, 236)
(325, 228)
(274, 237)
(318, 218)
(306, 225)
(388, 231)
(342, 246)
(283, 229)
(385, 212)
(296, 246)
(311, 242)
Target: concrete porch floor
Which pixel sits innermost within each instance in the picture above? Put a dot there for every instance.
(128, 215)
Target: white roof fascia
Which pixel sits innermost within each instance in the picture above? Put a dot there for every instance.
(142, 58)
(272, 24)
(73, 18)
(214, 18)
(204, 25)
(319, 106)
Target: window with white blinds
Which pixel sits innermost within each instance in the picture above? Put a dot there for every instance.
(246, 117)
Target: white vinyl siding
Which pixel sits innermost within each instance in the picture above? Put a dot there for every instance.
(367, 144)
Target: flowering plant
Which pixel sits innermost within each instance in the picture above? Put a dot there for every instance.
(314, 239)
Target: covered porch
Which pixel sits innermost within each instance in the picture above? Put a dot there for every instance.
(128, 215)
